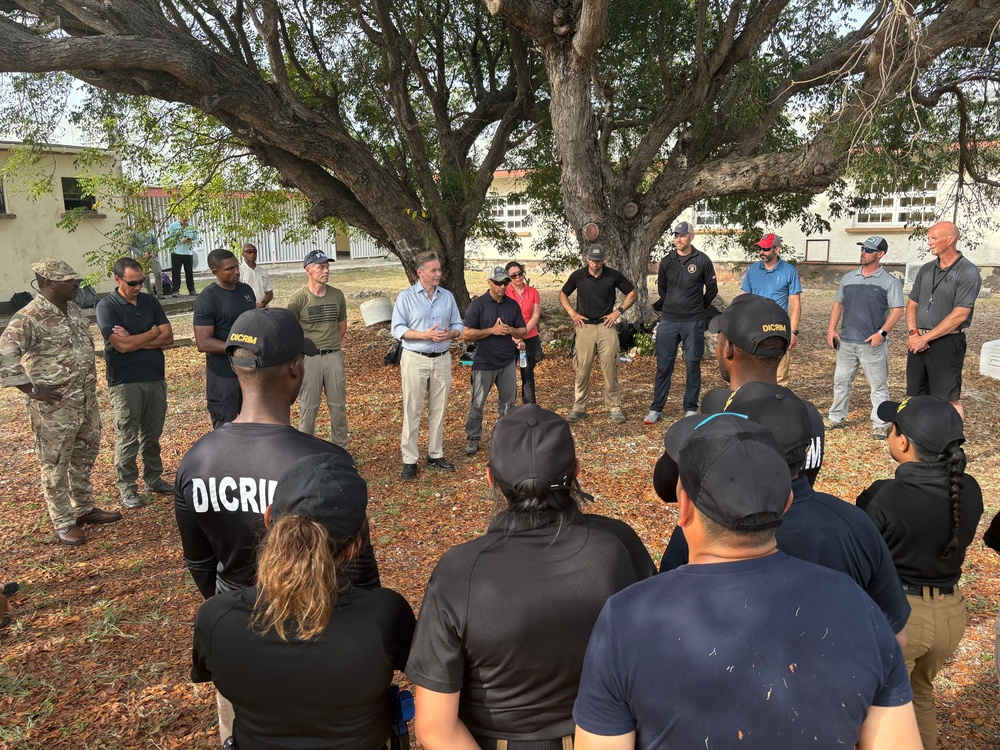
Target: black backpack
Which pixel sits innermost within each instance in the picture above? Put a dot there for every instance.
(19, 300)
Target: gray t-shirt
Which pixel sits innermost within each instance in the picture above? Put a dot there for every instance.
(938, 292)
(867, 301)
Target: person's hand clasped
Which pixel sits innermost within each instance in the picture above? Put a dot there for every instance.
(501, 329)
(436, 333)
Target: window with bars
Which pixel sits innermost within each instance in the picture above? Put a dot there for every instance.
(510, 211)
(915, 206)
(706, 218)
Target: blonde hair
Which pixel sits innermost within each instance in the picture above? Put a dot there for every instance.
(297, 578)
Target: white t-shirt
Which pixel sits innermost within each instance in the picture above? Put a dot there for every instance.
(258, 279)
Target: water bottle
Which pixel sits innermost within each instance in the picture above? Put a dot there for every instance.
(522, 359)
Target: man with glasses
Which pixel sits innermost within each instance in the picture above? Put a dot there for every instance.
(256, 277)
(870, 301)
(135, 331)
(47, 353)
(493, 321)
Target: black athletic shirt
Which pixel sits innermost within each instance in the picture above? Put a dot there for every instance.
(595, 297)
(506, 619)
(224, 484)
(142, 365)
(219, 308)
(493, 352)
(328, 692)
(686, 284)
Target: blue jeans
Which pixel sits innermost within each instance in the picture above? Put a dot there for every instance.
(669, 334)
(875, 362)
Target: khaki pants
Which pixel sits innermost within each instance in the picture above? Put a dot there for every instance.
(430, 378)
(226, 716)
(325, 372)
(139, 412)
(67, 442)
(783, 367)
(933, 632)
(596, 340)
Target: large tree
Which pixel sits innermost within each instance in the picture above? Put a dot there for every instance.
(658, 104)
(389, 116)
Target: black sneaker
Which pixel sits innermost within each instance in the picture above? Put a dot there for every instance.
(409, 471)
(441, 463)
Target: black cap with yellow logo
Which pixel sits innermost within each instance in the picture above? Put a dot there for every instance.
(751, 319)
(272, 335)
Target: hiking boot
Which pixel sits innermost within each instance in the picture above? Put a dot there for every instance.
(576, 416)
(471, 447)
(880, 433)
(96, 515)
(652, 418)
(618, 416)
(132, 500)
(833, 425)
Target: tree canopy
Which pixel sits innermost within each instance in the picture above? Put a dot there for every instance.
(392, 115)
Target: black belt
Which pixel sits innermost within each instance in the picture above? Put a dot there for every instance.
(594, 321)
(924, 331)
(321, 352)
(432, 355)
(490, 743)
(931, 590)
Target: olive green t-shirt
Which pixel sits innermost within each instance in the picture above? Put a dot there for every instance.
(320, 317)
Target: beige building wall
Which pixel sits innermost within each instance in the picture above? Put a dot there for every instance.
(28, 228)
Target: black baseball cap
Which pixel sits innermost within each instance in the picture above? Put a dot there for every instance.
(530, 442)
(778, 409)
(683, 228)
(930, 422)
(326, 488)
(749, 320)
(273, 334)
(596, 253)
(315, 256)
(732, 469)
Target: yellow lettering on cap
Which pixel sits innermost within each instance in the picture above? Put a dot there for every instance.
(768, 327)
(246, 339)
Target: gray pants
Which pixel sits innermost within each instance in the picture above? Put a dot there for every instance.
(875, 362)
(154, 279)
(482, 383)
(139, 412)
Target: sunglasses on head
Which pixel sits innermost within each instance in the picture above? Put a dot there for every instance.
(134, 284)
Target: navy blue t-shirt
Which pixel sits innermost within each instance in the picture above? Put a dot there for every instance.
(219, 308)
(142, 365)
(771, 652)
(493, 352)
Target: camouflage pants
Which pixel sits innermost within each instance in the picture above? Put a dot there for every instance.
(67, 442)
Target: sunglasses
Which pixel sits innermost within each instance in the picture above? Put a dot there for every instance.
(500, 283)
(517, 275)
(869, 250)
(134, 284)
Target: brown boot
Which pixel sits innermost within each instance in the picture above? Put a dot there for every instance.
(96, 515)
(71, 535)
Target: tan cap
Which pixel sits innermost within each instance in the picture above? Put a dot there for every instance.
(54, 269)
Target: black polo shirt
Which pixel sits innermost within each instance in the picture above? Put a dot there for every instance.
(140, 366)
(686, 284)
(595, 297)
(493, 352)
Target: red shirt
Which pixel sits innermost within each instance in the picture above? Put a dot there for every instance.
(527, 301)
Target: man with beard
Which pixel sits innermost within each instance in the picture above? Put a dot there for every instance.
(870, 301)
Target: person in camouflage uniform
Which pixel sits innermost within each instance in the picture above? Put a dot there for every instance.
(47, 353)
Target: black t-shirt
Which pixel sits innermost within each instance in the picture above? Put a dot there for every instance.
(328, 692)
(595, 297)
(506, 619)
(224, 485)
(717, 398)
(493, 352)
(686, 284)
(142, 365)
(219, 308)
(914, 515)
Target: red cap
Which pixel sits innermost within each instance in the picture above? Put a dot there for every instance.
(768, 241)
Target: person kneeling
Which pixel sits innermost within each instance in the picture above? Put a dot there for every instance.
(305, 658)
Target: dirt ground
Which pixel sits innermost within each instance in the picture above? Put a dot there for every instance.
(98, 653)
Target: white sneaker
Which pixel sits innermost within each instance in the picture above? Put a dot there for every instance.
(653, 417)
(690, 413)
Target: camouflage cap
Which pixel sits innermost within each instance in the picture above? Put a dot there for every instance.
(54, 269)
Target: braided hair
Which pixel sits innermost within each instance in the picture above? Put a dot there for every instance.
(953, 457)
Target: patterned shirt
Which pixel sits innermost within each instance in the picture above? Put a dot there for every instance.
(45, 347)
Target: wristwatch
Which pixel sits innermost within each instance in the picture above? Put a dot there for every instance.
(795, 332)
(884, 332)
(912, 332)
(621, 309)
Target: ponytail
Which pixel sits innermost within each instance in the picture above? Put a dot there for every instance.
(297, 578)
(953, 457)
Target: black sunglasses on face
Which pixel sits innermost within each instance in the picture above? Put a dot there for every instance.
(134, 284)
(869, 250)
(500, 283)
